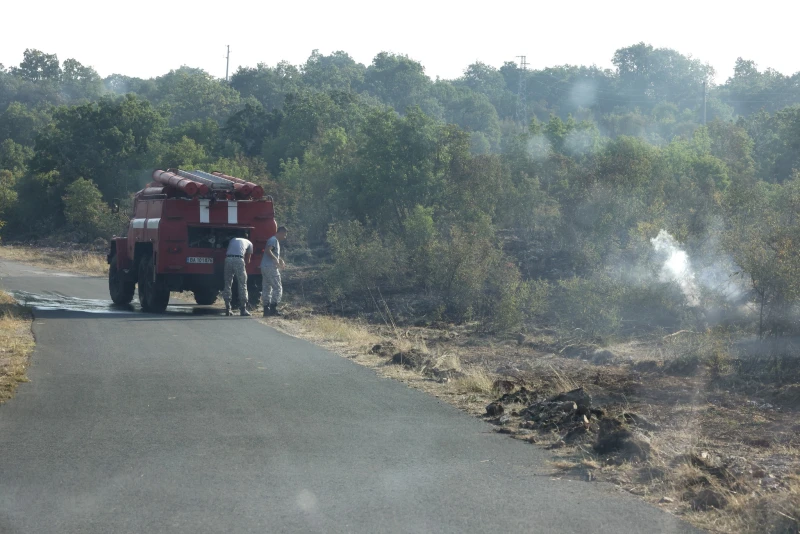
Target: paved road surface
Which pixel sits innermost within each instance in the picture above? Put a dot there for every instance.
(191, 422)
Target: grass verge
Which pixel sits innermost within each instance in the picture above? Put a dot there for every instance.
(16, 345)
(73, 261)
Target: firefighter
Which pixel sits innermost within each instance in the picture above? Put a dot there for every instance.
(271, 263)
(240, 250)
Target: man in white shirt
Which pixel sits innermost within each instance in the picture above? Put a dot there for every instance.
(271, 263)
(240, 250)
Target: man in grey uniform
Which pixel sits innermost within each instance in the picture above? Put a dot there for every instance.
(240, 250)
(271, 263)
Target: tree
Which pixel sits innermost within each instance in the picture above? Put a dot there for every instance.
(337, 72)
(108, 142)
(14, 157)
(268, 85)
(397, 80)
(80, 82)
(401, 164)
(85, 210)
(651, 75)
(38, 66)
(190, 94)
(21, 124)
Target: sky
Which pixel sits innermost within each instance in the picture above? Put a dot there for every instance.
(147, 38)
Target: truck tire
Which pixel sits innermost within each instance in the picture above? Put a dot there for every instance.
(153, 294)
(120, 289)
(205, 296)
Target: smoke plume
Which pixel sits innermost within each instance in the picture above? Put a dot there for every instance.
(676, 267)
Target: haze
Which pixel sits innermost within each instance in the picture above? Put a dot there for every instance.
(151, 37)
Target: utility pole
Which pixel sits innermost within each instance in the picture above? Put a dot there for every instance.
(522, 93)
(227, 62)
(705, 93)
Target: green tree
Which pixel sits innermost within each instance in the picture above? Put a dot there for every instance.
(21, 124)
(191, 94)
(268, 85)
(397, 80)
(38, 66)
(109, 142)
(336, 72)
(14, 157)
(85, 210)
(80, 82)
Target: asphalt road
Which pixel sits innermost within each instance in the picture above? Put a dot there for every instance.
(191, 422)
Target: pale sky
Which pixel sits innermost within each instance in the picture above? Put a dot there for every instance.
(147, 38)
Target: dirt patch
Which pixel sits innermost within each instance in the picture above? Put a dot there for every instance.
(16, 345)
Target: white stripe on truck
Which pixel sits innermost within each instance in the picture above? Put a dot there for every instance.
(233, 212)
(204, 211)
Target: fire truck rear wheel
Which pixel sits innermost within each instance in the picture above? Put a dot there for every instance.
(121, 290)
(153, 294)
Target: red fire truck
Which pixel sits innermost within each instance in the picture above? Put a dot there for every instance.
(178, 236)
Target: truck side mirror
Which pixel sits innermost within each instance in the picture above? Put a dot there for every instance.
(115, 205)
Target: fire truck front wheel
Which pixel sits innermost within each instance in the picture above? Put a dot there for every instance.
(153, 292)
(121, 290)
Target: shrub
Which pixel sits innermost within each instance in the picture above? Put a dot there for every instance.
(86, 212)
(589, 307)
(361, 260)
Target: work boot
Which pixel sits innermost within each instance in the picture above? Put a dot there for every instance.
(244, 312)
(275, 310)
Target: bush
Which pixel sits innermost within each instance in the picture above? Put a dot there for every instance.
(461, 264)
(505, 298)
(86, 212)
(361, 260)
(588, 307)
(691, 350)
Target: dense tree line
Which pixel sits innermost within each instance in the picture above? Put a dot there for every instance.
(501, 196)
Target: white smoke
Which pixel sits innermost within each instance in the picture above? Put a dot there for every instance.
(583, 94)
(538, 147)
(676, 267)
(712, 270)
(579, 142)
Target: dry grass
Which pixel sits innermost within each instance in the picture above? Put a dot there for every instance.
(16, 344)
(562, 382)
(79, 262)
(330, 329)
(564, 465)
(475, 380)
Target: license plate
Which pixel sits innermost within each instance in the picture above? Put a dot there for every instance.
(194, 259)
